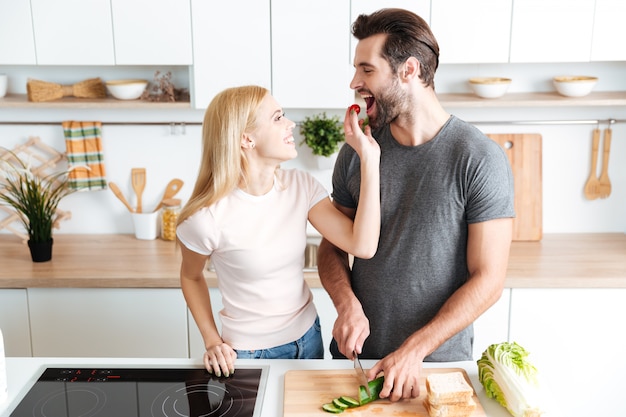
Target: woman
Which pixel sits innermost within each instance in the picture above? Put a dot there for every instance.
(249, 216)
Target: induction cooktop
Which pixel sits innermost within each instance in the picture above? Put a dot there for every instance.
(144, 392)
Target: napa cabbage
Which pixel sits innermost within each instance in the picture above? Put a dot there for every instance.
(508, 377)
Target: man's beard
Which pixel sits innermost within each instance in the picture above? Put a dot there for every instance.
(391, 102)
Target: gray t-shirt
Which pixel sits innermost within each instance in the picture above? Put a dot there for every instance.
(429, 194)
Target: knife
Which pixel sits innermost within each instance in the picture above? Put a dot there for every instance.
(360, 373)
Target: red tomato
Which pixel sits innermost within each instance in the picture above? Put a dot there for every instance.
(356, 108)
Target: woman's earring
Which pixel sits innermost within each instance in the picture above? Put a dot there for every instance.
(252, 145)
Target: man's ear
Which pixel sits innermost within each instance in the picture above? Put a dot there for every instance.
(411, 69)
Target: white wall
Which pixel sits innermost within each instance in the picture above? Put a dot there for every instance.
(166, 154)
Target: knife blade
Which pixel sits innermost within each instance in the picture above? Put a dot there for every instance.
(360, 373)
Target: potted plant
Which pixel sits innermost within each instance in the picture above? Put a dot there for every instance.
(35, 199)
(323, 135)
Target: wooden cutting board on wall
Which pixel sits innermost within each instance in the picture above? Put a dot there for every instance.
(524, 152)
(307, 390)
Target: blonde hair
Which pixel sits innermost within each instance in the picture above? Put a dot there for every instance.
(224, 164)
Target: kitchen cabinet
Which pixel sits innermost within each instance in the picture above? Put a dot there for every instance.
(17, 44)
(227, 54)
(310, 60)
(323, 304)
(152, 33)
(73, 32)
(108, 322)
(196, 344)
(608, 29)
(14, 322)
(472, 32)
(579, 329)
(493, 325)
(420, 7)
(552, 30)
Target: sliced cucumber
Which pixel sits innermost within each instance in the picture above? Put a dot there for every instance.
(349, 401)
(344, 402)
(331, 408)
(339, 404)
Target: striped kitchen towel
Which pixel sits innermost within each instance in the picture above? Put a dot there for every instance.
(83, 144)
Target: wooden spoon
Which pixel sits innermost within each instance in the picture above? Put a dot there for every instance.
(172, 188)
(118, 193)
(592, 186)
(605, 182)
(138, 178)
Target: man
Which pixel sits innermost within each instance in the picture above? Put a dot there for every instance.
(446, 206)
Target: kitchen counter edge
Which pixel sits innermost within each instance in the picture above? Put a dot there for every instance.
(593, 260)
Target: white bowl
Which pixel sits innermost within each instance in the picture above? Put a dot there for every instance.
(490, 87)
(574, 86)
(126, 89)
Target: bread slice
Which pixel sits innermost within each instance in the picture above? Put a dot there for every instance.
(448, 388)
(450, 410)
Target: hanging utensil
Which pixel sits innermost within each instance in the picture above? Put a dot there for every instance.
(605, 182)
(592, 185)
(118, 193)
(172, 188)
(138, 178)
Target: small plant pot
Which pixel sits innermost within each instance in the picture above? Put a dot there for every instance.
(40, 251)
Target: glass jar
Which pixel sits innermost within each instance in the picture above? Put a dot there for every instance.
(169, 218)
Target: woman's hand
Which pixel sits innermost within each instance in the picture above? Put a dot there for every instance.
(362, 142)
(220, 359)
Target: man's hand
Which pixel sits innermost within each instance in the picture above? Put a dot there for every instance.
(402, 370)
(350, 330)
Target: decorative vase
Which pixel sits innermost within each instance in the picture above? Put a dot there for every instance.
(40, 251)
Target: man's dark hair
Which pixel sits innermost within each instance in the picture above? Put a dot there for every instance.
(408, 35)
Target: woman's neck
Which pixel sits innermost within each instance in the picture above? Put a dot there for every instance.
(259, 182)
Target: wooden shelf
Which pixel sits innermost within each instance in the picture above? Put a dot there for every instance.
(552, 99)
(18, 101)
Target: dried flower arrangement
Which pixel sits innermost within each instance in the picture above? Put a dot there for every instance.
(162, 89)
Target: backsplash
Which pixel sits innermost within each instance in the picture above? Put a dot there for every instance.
(174, 151)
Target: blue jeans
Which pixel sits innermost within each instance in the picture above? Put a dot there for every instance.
(309, 346)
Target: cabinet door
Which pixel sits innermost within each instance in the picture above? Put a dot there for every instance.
(196, 344)
(420, 7)
(228, 54)
(552, 30)
(108, 322)
(609, 31)
(493, 325)
(576, 340)
(152, 33)
(14, 322)
(17, 45)
(310, 59)
(73, 32)
(472, 31)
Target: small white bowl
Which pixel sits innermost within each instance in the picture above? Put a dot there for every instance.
(490, 87)
(126, 89)
(574, 86)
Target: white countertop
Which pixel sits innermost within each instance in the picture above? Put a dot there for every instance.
(23, 372)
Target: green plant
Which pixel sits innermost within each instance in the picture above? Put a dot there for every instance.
(35, 198)
(322, 134)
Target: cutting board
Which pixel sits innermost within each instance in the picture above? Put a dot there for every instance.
(524, 153)
(307, 391)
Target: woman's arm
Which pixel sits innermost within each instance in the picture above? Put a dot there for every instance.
(360, 238)
(219, 357)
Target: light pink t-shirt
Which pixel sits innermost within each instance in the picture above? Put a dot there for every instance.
(256, 244)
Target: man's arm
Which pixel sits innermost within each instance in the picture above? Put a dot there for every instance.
(487, 259)
(351, 327)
